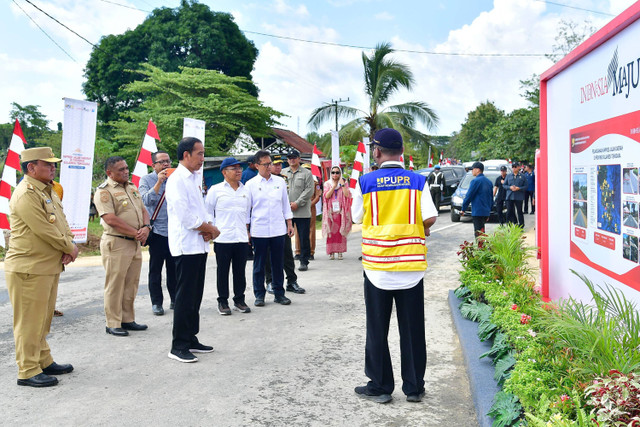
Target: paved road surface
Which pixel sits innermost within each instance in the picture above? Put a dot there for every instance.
(294, 365)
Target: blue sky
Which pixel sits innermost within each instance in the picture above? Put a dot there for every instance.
(296, 77)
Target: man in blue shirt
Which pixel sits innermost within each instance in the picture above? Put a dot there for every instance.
(480, 195)
(250, 171)
(531, 190)
(515, 184)
(151, 189)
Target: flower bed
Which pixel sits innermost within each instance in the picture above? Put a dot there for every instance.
(559, 364)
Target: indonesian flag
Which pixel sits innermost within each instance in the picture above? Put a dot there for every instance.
(441, 156)
(357, 165)
(144, 158)
(315, 163)
(9, 176)
(410, 163)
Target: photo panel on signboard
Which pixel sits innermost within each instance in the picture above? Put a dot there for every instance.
(580, 213)
(630, 180)
(580, 186)
(609, 198)
(630, 247)
(630, 214)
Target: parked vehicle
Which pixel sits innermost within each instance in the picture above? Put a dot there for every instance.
(461, 192)
(452, 176)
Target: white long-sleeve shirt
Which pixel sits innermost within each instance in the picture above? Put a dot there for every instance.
(269, 206)
(229, 211)
(186, 212)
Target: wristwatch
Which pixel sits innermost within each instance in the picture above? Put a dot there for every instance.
(149, 226)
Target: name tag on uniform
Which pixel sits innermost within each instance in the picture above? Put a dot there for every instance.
(335, 206)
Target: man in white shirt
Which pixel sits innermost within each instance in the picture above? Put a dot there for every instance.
(270, 222)
(228, 206)
(189, 235)
(384, 202)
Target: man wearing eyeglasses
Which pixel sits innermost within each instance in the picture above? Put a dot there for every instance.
(152, 187)
(270, 222)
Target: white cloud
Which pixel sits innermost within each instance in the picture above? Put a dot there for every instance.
(384, 16)
(283, 8)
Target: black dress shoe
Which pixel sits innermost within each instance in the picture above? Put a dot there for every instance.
(303, 267)
(119, 332)
(311, 258)
(157, 310)
(293, 287)
(133, 326)
(282, 300)
(55, 369)
(40, 380)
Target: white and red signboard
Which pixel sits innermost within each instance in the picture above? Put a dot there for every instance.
(589, 164)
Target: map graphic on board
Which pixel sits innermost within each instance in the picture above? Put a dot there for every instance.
(605, 197)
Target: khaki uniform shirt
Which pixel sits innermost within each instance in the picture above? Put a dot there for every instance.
(122, 200)
(300, 188)
(40, 234)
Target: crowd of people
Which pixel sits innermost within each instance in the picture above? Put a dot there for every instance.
(251, 214)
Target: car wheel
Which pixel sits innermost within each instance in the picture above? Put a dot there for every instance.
(454, 216)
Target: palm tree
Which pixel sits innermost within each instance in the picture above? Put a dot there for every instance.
(383, 77)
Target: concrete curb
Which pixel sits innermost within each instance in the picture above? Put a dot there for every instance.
(480, 371)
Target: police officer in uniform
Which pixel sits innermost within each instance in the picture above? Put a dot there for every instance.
(393, 202)
(126, 225)
(436, 184)
(41, 244)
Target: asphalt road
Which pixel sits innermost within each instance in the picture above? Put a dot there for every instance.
(294, 365)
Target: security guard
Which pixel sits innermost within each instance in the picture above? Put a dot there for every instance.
(41, 244)
(126, 225)
(396, 212)
(436, 184)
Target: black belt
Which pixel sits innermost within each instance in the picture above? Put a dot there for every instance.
(122, 237)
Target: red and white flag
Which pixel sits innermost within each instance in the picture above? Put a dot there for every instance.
(315, 163)
(358, 165)
(144, 158)
(9, 176)
(410, 163)
(441, 156)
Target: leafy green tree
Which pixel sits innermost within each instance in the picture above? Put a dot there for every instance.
(207, 95)
(570, 35)
(34, 124)
(383, 78)
(515, 136)
(190, 35)
(471, 134)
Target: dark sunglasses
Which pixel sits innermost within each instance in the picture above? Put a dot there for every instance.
(335, 173)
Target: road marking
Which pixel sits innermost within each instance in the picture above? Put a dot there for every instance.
(448, 226)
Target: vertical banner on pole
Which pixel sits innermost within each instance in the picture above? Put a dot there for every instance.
(335, 148)
(194, 128)
(367, 155)
(76, 169)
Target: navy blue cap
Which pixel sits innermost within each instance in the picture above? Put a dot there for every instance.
(229, 161)
(388, 138)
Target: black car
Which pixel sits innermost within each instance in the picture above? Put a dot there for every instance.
(452, 176)
(461, 191)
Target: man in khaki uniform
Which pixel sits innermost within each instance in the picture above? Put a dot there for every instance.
(41, 244)
(126, 225)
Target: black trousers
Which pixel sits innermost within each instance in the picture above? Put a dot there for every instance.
(231, 256)
(436, 194)
(478, 225)
(529, 195)
(275, 246)
(499, 209)
(515, 207)
(159, 255)
(288, 263)
(303, 225)
(413, 347)
(190, 270)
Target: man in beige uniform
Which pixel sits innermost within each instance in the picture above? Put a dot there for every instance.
(126, 225)
(41, 244)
